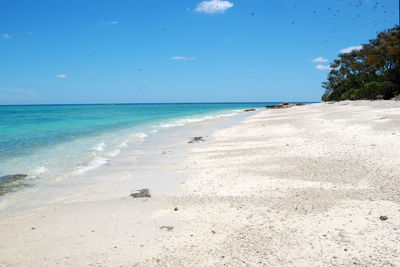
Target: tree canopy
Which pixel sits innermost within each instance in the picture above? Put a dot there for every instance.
(372, 72)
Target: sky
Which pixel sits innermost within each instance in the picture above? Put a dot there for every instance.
(132, 51)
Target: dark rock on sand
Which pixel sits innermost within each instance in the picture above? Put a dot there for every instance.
(141, 193)
(250, 109)
(196, 139)
(383, 218)
(167, 228)
(285, 105)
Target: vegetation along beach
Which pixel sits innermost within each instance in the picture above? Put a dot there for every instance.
(199, 133)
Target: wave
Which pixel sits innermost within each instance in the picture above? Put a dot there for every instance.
(100, 147)
(124, 144)
(139, 135)
(113, 153)
(37, 172)
(40, 170)
(182, 122)
(95, 163)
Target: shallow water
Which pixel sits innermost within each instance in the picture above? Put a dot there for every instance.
(50, 140)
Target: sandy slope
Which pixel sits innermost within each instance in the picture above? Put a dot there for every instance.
(303, 186)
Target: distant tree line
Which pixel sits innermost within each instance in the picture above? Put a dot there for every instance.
(372, 72)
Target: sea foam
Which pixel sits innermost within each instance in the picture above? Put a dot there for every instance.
(182, 122)
(95, 163)
(38, 171)
(140, 135)
(124, 144)
(100, 147)
(114, 153)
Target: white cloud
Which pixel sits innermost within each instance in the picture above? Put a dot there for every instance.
(350, 49)
(16, 93)
(213, 6)
(323, 67)
(6, 36)
(114, 22)
(178, 58)
(182, 58)
(61, 76)
(320, 59)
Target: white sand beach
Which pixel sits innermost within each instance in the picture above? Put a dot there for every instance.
(302, 186)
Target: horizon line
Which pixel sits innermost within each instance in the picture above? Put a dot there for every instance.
(153, 103)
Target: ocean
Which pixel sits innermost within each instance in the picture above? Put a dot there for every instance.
(44, 141)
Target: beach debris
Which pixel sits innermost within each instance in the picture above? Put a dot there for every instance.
(250, 109)
(196, 139)
(141, 193)
(285, 105)
(383, 218)
(167, 228)
(344, 237)
(396, 98)
(176, 209)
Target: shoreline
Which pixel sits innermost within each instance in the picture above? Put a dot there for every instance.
(284, 187)
(100, 153)
(87, 137)
(149, 151)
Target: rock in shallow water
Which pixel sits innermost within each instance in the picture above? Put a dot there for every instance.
(10, 182)
(285, 105)
(12, 177)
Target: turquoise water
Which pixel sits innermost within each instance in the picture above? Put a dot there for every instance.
(46, 140)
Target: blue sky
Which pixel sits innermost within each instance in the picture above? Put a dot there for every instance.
(81, 51)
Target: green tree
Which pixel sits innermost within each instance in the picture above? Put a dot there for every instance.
(369, 73)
